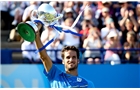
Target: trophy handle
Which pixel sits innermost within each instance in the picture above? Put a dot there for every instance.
(33, 25)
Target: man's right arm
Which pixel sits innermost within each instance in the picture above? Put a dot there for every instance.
(43, 55)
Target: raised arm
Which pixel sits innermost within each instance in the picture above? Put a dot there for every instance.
(134, 21)
(43, 55)
(123, 20)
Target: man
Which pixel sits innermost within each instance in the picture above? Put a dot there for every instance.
(57, 78)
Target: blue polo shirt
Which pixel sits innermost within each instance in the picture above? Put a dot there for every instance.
(59, 79)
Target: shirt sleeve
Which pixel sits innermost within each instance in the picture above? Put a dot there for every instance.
(53, 73)
(90, 84)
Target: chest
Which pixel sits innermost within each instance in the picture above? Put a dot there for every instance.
(66, 81)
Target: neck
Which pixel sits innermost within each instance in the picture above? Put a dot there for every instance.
(72, 72)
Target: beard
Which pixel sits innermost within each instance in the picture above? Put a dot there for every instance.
(72, 68)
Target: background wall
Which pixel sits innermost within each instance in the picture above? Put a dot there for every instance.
(103, 76)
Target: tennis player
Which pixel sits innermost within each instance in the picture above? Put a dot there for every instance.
(57, 78)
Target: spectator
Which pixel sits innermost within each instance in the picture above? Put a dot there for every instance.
(29, 57)
(90, 15)
(14, 36)
(112, 43)
(86, 25)
(108, 5)
(92, 42)
(18, 13)
(55, 55)
(47, 35)
(68, 13)
(127, 23)
(90, 4)
(68, 38)
(68, 4)
(105, 31)
(112, 11)
(103, 17)
(99, 9)
(131, 56)
(138, 13)
(27, 12)
(4, 6)
(12, 11)
(68, 10)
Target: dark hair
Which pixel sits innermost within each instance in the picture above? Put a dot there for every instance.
(66, 48)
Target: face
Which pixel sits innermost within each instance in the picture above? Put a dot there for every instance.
(130, 38)
(104, 14)
(113, 40)
(70, 60)
(129, 25)
(69, 22)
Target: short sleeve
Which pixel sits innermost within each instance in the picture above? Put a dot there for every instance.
(53, 73)
(90, 84)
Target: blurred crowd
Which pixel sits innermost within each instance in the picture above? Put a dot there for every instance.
(104, 25)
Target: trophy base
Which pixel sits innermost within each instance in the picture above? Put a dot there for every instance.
(26, 31)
